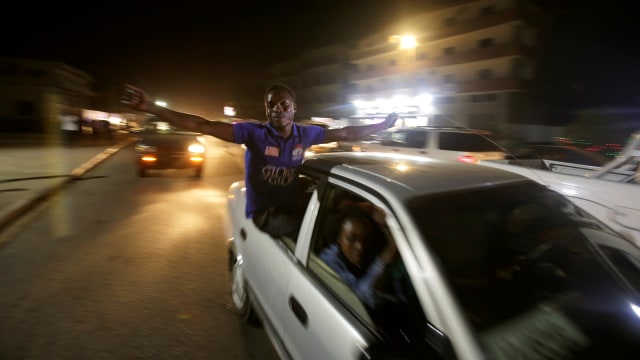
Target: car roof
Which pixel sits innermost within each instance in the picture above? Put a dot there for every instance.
(407, 175)
(442, 128)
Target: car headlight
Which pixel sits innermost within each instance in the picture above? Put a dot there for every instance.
(196, 148)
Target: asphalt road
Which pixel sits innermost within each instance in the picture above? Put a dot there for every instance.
(121, 267)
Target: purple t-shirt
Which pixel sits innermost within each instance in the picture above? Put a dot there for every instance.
(271, 162)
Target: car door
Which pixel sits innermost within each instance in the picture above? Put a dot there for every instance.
(268, 263)
(321, 321)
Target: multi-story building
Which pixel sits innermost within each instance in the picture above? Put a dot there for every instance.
(320, 78)
(476, 60)
(34, 94)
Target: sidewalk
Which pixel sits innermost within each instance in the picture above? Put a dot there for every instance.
(33, 168)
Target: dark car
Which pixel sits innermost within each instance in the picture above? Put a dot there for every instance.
(162, 146)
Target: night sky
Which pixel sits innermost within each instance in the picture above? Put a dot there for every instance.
(193, 54)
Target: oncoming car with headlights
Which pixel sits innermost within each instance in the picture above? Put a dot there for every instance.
(162, 146)
(489, 265)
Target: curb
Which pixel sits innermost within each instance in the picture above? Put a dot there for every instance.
(25, 206)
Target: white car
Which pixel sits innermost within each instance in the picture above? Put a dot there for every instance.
(452, 143)
(492, 265)
(610, 192)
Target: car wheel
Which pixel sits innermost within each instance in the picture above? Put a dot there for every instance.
(239, 292)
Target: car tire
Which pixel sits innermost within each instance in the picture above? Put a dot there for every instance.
(239, 292)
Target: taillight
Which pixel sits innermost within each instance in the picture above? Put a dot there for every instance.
(469, 159)
(149, 158)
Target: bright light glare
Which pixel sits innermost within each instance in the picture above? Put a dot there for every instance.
(161, 103)
(402, 167)
(569, 191)
(196, 148)
(400, 103)
(408, 41)
(230, 111)
(635, 309)
(115, 120)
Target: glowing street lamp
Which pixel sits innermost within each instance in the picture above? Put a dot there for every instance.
(408, 42)
(405, 42)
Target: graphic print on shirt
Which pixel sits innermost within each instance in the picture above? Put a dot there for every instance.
(272, 151)
(277, 175)
(297, 152)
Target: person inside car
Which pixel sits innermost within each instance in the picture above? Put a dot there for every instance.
(356, 257)
(365, 256)
(275, 150)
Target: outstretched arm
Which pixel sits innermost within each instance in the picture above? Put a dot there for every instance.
(138, 99)
(352, 133)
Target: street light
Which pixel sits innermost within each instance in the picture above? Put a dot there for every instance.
(408, 42)
(405, 42)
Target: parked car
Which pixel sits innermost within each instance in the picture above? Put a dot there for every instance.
(161, 146)
(492, 265)
(454, 143)
(560, 153)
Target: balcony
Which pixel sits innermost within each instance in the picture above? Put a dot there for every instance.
(473, 55)
(494, 85)
(475, 86)
(356, 55)
(479, 23)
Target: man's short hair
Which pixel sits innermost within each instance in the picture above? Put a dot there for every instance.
(279, 87)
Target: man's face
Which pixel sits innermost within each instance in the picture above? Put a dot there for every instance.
(280, 109)
(354, 240)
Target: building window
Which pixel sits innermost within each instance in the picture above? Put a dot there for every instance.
(487, 10)
(449, 50)
(444, 100)
(488, 42)
(449, 79)
(477, 98)
(485, 74)
(485, 121)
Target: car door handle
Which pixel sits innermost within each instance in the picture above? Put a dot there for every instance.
(298, 311)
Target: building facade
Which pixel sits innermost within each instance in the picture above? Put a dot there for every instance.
(475, 61)
(35, 94)
(321, 80)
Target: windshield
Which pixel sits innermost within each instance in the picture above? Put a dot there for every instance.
(529, 267)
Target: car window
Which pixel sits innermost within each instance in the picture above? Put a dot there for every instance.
(510, 251)
(460, 141)
(396, 309)
(408, 139)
